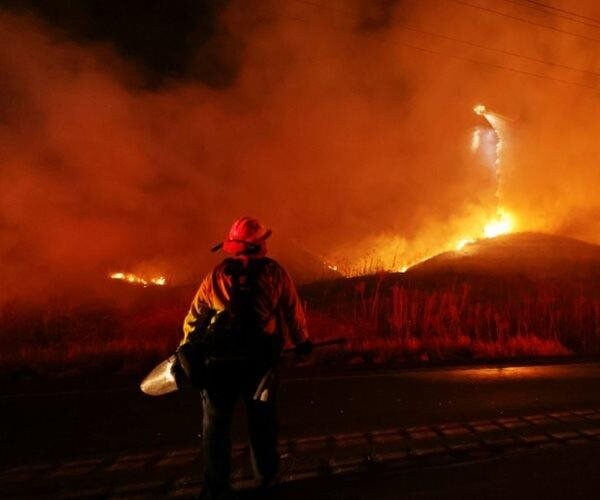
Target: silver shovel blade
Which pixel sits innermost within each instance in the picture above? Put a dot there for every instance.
(160, 380)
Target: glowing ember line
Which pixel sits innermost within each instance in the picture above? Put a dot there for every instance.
(138, 280)
(406, 267)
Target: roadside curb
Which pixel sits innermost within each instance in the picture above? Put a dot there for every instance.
(176, 472)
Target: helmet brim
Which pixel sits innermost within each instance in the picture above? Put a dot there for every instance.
(236, 247)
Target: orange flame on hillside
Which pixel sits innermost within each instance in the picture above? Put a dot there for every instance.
(138, 280)
(503, 222)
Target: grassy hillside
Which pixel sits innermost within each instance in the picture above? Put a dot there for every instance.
(520, 295)
(517, 295)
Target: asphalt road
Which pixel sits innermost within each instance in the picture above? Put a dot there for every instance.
(551, 474)
(53, 425)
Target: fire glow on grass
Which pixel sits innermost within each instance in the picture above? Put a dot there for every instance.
(138, 280)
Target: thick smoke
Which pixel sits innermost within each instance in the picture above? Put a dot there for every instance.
(349, 142)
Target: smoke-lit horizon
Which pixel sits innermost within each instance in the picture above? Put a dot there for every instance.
(347, 140)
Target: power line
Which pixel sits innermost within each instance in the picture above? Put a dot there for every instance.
(493, 49)
(564, 11)
(455, 56)
(407, 27)
(549, 12)
(494, 65)
(526, 21)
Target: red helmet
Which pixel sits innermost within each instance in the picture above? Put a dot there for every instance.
(246, 236)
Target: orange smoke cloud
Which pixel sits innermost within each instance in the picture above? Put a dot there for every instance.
(352, 144)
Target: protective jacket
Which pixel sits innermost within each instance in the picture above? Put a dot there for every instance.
(275, 307)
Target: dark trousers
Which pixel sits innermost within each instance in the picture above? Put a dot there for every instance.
(218, 401)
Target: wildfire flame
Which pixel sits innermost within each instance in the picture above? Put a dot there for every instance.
(503, 224)
(489, 141)
(460, 244)
(138, 280)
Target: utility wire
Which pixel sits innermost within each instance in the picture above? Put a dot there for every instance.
(499, 51)
(526, 21)
(550, 13)
(472, 60)
(407, 27)
(564, 11)
(494, 65)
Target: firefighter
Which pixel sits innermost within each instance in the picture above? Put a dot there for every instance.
(243, 311)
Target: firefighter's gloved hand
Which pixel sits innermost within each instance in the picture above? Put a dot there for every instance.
(304, 348)
(181, 379)
(191, 364)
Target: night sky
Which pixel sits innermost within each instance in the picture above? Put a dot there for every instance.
(181, 39)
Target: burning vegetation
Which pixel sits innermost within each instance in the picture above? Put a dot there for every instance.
(372, 136)
(526, 294)
(518, 295)
(138, 280)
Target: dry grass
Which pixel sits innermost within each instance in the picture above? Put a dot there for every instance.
(386, 318)
(99, 336)
(396, 318)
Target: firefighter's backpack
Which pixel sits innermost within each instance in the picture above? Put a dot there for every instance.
(233, 336)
